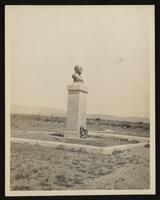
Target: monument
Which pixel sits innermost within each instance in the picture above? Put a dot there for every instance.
(76, 108)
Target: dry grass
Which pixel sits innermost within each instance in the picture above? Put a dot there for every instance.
(42, 168)
(44, 123)
(100, 142)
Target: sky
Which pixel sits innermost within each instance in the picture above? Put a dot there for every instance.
(113, 44)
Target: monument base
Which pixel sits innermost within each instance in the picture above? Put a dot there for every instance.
(76, 110)
(71, 134)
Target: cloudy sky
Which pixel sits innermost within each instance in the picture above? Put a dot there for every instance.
(114, 45)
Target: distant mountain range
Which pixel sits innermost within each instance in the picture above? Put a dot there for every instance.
(36, 110)
(118, 118)
(57, 112)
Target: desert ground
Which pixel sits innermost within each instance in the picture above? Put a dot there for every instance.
(45, 168)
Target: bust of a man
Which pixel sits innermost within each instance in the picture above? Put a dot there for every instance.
(77, 75)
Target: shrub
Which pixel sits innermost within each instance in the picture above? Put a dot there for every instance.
(117, 151)
(147, 145)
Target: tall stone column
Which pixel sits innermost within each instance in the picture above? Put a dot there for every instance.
(76, 109)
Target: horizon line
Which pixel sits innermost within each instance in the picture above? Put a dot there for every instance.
(86, 113)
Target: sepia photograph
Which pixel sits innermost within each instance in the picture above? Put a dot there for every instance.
(79, 100)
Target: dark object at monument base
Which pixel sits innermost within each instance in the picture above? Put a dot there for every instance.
(83, 132)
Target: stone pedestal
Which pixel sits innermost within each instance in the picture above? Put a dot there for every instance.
(76, 109)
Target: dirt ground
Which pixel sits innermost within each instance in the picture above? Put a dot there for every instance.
(93, 141)
(45, 123)
(44, 168)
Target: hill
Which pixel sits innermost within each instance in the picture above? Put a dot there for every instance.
(37, 110)
(57, 112)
